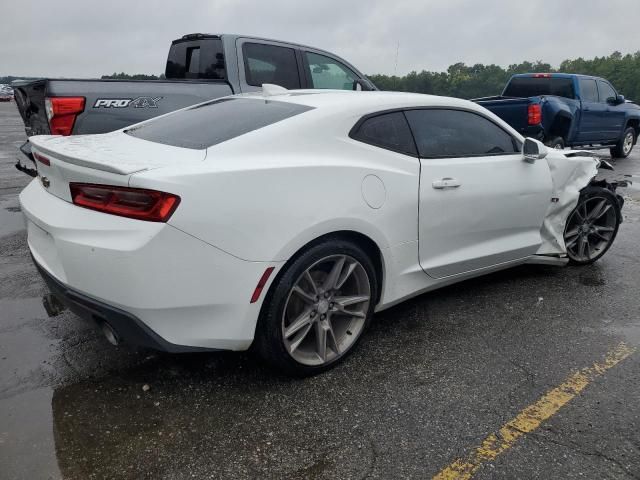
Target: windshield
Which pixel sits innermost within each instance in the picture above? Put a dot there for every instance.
(535, 86)
(214, 122)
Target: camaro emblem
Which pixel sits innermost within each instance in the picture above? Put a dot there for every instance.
(139, 102)
(45, 182)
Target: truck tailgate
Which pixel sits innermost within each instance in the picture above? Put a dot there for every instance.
(30, 102)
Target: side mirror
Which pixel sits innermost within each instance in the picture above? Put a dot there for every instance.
(533, 150)
(620, 99)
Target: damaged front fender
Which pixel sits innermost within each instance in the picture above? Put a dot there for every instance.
(571, 172)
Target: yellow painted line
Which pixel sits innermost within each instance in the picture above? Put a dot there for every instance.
(531, 417)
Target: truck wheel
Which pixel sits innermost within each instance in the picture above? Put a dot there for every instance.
(625, 145)
(556, 143)
(592, 226)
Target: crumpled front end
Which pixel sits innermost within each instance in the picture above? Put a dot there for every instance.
(570, 172)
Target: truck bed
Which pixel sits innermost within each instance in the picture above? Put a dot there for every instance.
(112, 104)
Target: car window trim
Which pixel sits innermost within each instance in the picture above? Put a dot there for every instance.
(516, 143)
(356, 127)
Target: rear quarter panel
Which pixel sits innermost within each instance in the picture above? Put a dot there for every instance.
(264, 195)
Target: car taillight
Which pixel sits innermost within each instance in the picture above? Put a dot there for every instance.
(535, 114)
(542, 75)
(62, 113)
(137, 203)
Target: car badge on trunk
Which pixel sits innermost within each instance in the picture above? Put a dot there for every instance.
(45, 182)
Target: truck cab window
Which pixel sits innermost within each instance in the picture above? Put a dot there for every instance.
(270, 64)
(606, 91)
(325, 72)
(193, 62)
(588, 91)
(196, 59)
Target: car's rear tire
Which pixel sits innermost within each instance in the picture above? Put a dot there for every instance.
(592, 226)
(317, 308)
(625, 145)
(556, 143)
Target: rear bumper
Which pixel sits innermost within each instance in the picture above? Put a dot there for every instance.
(129, 328)
(150, 281)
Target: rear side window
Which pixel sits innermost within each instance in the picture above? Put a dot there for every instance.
(389, 130)
(535, 86)
(456, 133)
(196, 59)
(588, 90)
(270, 64)
(214, 122)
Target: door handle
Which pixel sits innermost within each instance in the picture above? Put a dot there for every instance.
(446, 182)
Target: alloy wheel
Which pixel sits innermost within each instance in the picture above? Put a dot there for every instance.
(326, 310)
(628, 143)
(590, 229)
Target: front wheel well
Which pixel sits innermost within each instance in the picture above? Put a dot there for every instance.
(635, 124)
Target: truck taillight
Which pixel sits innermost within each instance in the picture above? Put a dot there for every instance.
(62, 113)
(535, 114)
(137, 203)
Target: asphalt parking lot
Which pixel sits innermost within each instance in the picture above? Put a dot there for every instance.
(527, 373)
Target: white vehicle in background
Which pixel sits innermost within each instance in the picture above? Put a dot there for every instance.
(6, 93)
(285, 219)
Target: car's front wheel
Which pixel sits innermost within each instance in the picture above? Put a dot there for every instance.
(318, 308)
(592, 226)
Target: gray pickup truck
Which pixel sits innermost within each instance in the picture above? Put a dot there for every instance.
(199, 67)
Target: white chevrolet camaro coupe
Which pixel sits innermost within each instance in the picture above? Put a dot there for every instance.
(285, 219)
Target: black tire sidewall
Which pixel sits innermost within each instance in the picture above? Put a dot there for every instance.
(556, 141)
(269, 342)
(618, 150)
(587, 193)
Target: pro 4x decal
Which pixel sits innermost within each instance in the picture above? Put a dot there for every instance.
(140, 102)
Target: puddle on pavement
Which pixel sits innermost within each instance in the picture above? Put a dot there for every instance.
(26, 436)
(11, 219)
(26, 428)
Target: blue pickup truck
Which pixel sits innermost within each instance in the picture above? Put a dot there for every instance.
(566, 110)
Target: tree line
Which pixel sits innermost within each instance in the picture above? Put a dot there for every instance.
(464, 81)
(479, 80)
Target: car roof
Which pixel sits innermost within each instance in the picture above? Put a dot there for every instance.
(348, 101)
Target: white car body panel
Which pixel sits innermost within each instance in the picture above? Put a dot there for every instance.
(493, 217)
(253, 201)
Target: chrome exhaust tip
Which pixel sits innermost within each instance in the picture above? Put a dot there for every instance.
(110, 334)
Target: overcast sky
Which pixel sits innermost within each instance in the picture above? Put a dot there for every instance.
(87, 38)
